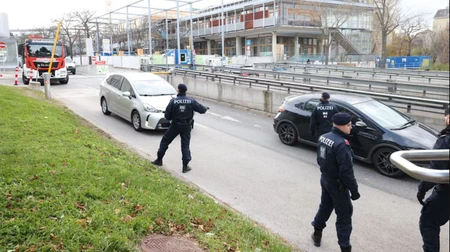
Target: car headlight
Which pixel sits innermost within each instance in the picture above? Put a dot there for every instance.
(150, 108)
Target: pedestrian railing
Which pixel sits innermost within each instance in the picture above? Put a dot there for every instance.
(402, 160)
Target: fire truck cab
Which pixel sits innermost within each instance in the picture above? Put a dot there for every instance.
(36, 54)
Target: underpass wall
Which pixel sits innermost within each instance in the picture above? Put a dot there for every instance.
(253, 98)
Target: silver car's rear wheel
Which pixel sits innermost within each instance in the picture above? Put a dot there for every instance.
(104, 105)
(136, 121)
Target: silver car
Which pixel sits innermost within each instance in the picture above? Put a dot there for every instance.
(140, 98)
(70, 65)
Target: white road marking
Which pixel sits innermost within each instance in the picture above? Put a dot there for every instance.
(230, 119)
(214, 114)
(201, 125)
(257, 126)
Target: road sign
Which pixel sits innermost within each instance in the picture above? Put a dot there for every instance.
(2, 45)
(102, 69)
(248, 48)
(249, 42)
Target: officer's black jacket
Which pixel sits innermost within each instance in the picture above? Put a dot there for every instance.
(321, 116)
(441, 143)
(182, 108)
(335, 158)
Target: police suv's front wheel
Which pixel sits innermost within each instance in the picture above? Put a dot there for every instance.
(287, 134)
(136, 120)
(104, 105)
(383, 164)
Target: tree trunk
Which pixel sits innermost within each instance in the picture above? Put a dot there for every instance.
(383, 49)
(327, 53)
(409, 48)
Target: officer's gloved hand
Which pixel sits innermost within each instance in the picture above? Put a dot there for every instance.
(355, 196)
(420, 197)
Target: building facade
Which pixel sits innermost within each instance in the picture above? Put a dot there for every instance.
(441, 20)
(282, 28)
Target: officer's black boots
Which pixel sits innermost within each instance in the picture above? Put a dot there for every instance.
(186, 168)
(317, 237)
(157, 162)
(346, 249)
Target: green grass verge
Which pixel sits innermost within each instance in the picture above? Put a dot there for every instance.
(65, 186)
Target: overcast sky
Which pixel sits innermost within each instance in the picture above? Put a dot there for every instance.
(27, 14)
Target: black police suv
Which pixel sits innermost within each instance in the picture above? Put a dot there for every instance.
(378, 130)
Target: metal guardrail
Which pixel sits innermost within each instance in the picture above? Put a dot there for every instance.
(392, 87)
(401, 159)
(397, 72)
(410, 102)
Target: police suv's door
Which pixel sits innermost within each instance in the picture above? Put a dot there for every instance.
(125, 103)
(361, 139)
(113, 84)
(308, 107)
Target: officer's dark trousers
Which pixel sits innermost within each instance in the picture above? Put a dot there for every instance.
(340, 201)
(175, 129)
(435, 213)
(323, 129)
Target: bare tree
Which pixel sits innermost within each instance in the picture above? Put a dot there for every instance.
(411, 27)
(389, 18)
(398, 46)
(443, 46)
(85, 19)
(46, 32)
(67, 31)
(331, 18)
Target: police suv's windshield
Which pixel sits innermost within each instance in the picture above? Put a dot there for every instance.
(382, 114)
(43, 50)
(153, 87)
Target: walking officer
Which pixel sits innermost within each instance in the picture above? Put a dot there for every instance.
(321, 116)
(435, 211)
(335, 158)
(180, 111)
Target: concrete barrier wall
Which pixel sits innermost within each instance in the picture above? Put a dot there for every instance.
(129, 62)
(253, 98)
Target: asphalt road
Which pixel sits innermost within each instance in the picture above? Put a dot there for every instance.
(238, 158)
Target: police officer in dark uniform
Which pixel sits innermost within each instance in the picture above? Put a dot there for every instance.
(180, 111)
(335, 158)
(321, 116)
(435, 211)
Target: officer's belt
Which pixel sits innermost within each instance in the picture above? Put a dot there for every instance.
(183, 121)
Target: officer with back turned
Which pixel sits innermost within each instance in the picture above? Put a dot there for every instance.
(335, 158)
(435, 211)
(181, 112)
(321, 116)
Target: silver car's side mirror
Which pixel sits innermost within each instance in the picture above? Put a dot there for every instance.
(126, 93)
(361, 124)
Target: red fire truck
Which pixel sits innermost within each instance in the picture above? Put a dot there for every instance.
(36, 53)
